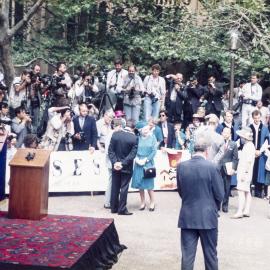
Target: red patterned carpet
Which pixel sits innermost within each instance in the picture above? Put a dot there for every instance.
(58, 242)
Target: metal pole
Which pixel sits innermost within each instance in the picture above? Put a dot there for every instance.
(231, 83)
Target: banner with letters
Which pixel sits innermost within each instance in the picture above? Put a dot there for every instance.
(79, 171)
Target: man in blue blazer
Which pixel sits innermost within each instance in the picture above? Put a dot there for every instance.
(201, 188)
(85, 131)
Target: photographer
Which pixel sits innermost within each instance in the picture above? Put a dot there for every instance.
(4, 116)
(59, 132)
(19, 92)
(61, 83)
(85, 130)
(177, 95)
(155, 90)
(133, 89)
(35, 96)
(85, 89)
(115, 80)
(21, 125)
(213, 93)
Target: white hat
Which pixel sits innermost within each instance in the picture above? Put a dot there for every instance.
(245, 133)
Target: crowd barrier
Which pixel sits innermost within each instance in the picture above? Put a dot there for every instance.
(79, 171)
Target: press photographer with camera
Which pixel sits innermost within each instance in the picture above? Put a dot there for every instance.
(115, 80)
(133, 89)
(155, 90)
(85, 131)
(213, 93)
(19, 91)
(84, 88)
(250, 94)
(176, 97)
(21, 125)
(60, 85)
(60, 129)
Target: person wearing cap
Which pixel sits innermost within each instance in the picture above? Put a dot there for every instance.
(244, 172)
(115, 81)
(147, 149)
(200, 187)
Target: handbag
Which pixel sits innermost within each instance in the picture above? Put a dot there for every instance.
(149, 172)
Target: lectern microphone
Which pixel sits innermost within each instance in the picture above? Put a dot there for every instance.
(30, 156)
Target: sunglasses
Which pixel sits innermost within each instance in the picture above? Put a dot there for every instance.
(162, 115)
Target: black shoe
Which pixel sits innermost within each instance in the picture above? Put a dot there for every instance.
(113, 211)
(107, 206)
(152, 209)
(225, 209)
(125, 213)
(142, 208)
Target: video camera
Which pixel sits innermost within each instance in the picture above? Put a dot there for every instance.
(52, 82)
(102, 74)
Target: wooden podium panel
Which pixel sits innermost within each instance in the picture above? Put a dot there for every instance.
(29, 184)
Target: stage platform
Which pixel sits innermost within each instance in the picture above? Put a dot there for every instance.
(58, 242)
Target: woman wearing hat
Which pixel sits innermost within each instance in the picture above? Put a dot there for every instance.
(244, 172)
(146, 152)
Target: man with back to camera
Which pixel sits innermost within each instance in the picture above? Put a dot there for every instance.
(200, 186)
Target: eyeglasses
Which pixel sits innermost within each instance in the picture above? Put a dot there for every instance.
(162, 115)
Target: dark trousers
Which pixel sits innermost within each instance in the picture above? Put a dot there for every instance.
(227, 188)
(174, 116)
(120, 184)
(189, 242)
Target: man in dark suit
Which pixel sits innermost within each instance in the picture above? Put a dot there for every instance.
(201, 188)
(213, 95)
(228, 164)
(85, 131)
(167, 130)
(122, 151)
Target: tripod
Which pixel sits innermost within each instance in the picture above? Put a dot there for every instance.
(103, 102)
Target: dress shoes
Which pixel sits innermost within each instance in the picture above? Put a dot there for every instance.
(225, 209)
(152, 209)
(125, 213)
(236, 216)
(246, 215)
(142, 208)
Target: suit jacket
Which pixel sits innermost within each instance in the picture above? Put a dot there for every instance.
(230, 155)
(214, 97)
(123, 148)
(171, 135)
(193, 95)
(201, 188)
(90, 133)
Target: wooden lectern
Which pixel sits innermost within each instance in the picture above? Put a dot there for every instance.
(29, 184)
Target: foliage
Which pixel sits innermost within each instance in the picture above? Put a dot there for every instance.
(143, 33)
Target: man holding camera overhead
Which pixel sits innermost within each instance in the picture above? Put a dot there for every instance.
(133, 88)
(85, 131)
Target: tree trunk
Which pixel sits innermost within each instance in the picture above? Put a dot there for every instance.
(6, 61)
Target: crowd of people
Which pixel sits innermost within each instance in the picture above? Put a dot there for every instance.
(129, 118)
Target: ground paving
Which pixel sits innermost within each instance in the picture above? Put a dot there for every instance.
(152, 238)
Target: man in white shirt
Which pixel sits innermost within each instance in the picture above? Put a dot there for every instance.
(18, 92)
(155, 90)
(264, 112)
(115, 81)
(251, 93)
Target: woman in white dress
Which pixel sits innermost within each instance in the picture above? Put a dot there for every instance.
(244, 173)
